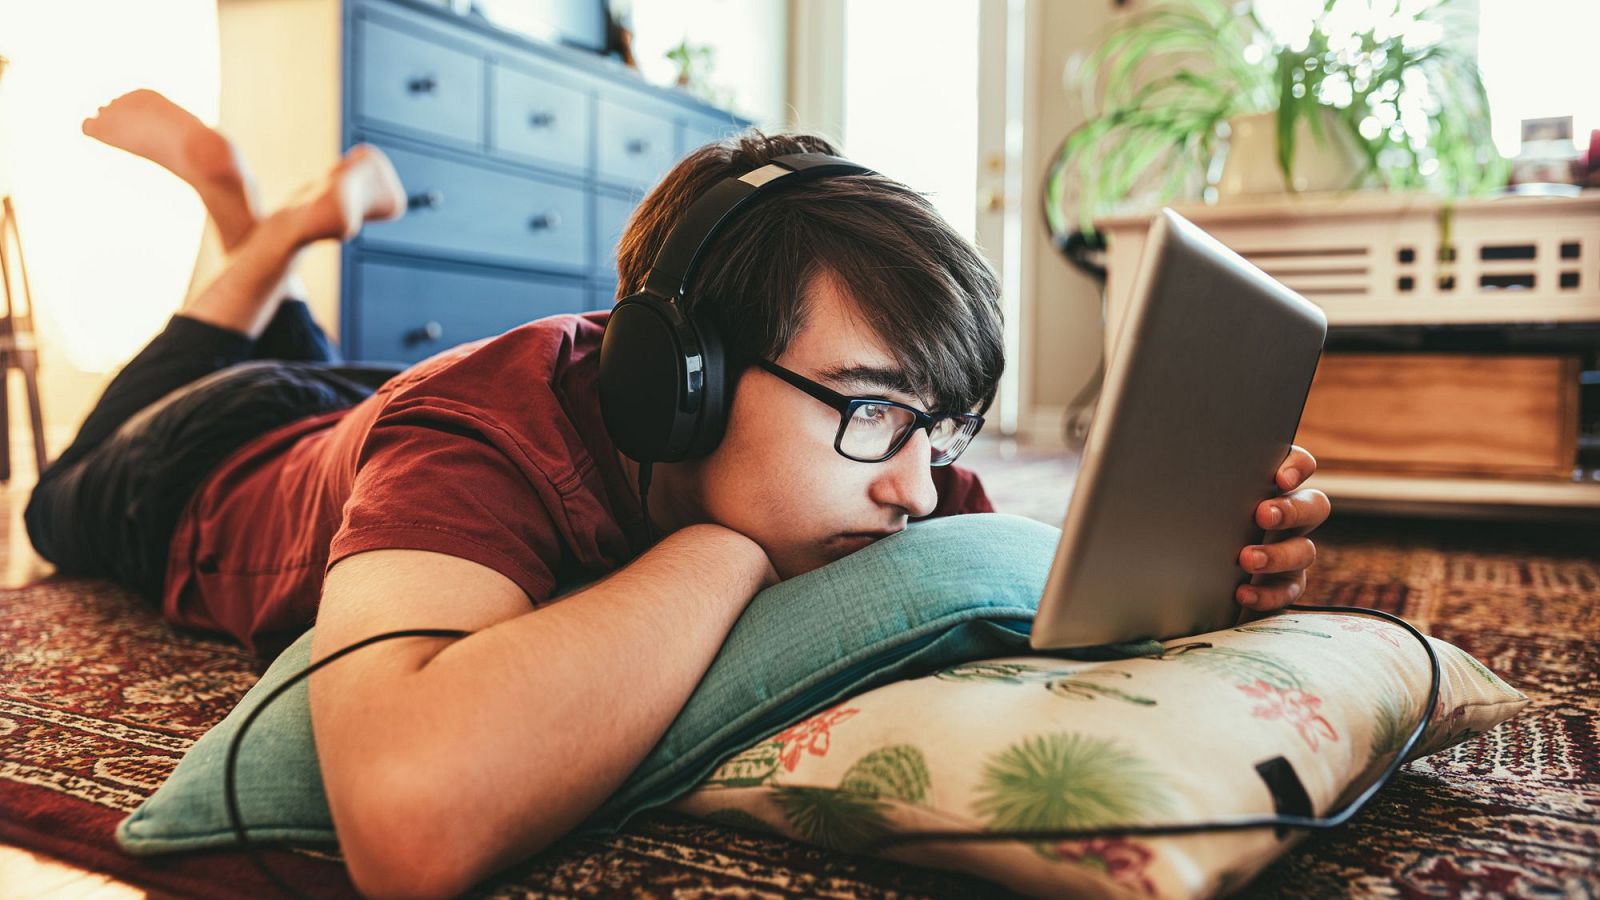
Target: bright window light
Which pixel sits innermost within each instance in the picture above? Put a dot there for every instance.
(1535, 55)
(911, 98)
(110, 239)
(1537, 58)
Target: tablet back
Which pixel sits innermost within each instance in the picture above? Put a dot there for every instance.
(1202, 397)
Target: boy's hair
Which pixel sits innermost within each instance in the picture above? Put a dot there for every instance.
(925, 290)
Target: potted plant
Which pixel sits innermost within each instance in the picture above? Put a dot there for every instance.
(1349, 98)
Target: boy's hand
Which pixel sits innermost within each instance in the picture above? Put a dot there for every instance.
(759, 559)
(1278, 565)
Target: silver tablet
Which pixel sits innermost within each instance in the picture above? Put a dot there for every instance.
(1202, 397)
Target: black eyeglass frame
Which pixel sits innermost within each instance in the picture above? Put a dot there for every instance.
(847, 406)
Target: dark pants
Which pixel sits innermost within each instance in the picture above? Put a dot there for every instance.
(109, 504)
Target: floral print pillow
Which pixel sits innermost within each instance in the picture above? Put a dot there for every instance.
(1295, 713)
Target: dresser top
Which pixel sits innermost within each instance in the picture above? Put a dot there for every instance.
(582, 60)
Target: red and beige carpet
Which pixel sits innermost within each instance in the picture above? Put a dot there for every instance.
(99, 699)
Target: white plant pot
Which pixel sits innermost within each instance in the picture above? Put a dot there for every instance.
(1250, 166)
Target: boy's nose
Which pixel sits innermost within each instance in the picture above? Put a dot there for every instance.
(907, 478)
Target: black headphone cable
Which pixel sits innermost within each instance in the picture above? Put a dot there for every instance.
(251, 847)
(644, 501)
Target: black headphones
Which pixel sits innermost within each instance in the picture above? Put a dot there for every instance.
(664, 387)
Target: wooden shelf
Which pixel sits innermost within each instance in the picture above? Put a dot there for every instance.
(1506, 309)
(1432, 494)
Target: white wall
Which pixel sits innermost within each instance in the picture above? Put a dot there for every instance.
(1062, 328)
(287, 126)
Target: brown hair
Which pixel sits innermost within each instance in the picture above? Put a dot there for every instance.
(926, 291)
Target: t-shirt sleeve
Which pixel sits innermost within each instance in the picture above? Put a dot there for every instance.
(960, 492)
(442, 480)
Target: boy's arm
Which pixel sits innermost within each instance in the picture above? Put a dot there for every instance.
(447, 760)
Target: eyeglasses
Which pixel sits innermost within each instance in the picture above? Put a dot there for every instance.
(873, 429)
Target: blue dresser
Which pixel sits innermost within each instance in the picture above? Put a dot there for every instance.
(521, 162)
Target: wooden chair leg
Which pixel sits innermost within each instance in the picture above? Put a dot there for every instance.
(8, 334)
(17, 326)
(30, 379)
(5, 417)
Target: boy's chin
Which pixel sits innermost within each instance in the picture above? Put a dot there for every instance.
(798, 560)
(808, 560)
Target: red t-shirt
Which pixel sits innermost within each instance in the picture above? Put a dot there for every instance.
(493, 451)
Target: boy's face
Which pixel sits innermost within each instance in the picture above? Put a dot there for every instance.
(775, 476)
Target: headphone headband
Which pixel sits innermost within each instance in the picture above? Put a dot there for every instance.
(680, 254)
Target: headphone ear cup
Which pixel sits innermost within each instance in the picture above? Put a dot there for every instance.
(642, 366)
(718, 393)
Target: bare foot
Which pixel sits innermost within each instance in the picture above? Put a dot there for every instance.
(362, 187)
(147, 124)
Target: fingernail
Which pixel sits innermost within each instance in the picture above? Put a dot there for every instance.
(1255, 559)
(1274, 515)
(1292, 476)
(1249, 597)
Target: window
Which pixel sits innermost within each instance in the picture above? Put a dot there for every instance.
(1535, 55)
(911, 98)
(1537, 60)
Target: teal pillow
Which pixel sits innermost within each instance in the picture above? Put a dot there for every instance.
(942, 592)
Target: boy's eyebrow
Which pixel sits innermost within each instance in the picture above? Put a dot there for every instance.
(880, 377)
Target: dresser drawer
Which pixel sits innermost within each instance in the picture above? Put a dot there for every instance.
(602, 296)
(635, 147)
(610, 216)
(407, 81)
(459, 209)
(535, 117)
(405, 313)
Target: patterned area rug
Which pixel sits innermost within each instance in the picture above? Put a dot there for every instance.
(99, 699)
(1514, 812)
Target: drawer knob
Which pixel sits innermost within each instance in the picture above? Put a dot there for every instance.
(422, 85)
(426, 333)
(541, 120)
(429, 199)
(544, 220)
(636, 146)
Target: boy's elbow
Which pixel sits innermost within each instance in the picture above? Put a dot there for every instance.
(402, 868)
(409, 842)
(401, 877)
(400, 843)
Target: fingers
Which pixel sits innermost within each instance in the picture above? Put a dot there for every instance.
(1286, 555)
(1304, 509)
(1278, 568)
(1272, 591)
(1296, 467)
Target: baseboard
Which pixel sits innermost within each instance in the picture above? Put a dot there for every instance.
(1041, 427)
